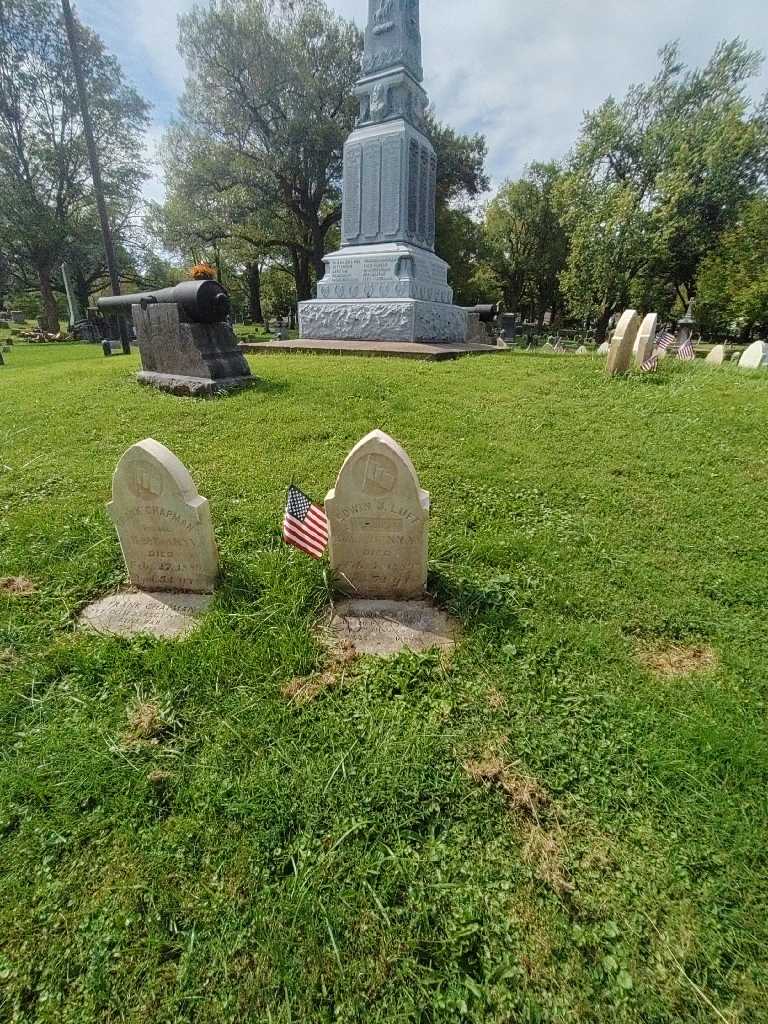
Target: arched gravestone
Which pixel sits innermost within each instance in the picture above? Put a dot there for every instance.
(620, 354)
(716, 357)
(646, 338)
(163, 524)
(378, 519)
(755, 356)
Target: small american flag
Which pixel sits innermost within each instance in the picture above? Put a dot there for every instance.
(687, 352)
(651, 364)
(305, 526)
(665, 340)
(559, 346)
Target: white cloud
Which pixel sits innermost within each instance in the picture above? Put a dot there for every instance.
(523, 74)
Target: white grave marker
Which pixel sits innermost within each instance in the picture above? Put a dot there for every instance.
(755, 356)
(163, 524)
(623, 342)
(378, 518)
(646, 338)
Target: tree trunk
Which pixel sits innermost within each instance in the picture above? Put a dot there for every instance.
(49, 314)
(302, 273)
(602, 323)
(253, 275)
(81, 290)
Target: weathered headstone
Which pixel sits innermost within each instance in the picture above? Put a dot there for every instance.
(378, 519)
(717, 356)
(646, 338)
(163, 524)
(582, 350)
(620, 354)
(755, 357)
(604, 349)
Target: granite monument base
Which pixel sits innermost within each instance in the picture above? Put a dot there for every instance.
(409, 320)
(431, 353)
(195, 387)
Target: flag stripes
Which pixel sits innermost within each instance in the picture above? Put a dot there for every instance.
(305, 525)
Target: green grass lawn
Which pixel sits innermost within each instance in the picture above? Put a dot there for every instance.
(564, 821)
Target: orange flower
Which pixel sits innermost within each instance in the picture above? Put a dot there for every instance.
(202, 272)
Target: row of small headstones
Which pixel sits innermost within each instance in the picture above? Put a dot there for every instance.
(375, 521)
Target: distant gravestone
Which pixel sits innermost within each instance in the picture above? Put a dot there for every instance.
(646, 339)
(604, 349)
(548, 347)
(620, 354)
(163, 524)
(582, 350)
(378, 518)
(717, 356)
(755, 356)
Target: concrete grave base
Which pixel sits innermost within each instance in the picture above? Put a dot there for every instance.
(388, 627)
(195, 387)
(436, 353)
(135, 613)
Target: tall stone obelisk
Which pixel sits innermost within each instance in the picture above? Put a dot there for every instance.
(386, 283)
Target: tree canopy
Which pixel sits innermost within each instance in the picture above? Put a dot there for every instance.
(48, 210)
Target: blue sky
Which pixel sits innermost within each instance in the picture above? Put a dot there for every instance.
(522, 73)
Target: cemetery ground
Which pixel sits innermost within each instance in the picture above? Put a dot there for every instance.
(563, 820)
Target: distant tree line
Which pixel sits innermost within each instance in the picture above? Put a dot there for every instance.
(662, 198)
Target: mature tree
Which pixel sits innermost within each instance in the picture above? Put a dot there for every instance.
(270, 85)
(526, 244)
(47, 191)
(655, 178)
(461, 180)
(733, 279)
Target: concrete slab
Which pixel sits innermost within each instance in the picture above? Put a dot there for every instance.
(398, 349)
(388, 627)
(135, 613)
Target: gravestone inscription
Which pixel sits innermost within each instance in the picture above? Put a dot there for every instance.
(378, 519)
(163, 524)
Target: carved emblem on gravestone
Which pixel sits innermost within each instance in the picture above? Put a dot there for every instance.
(163, 524)
(378, 519)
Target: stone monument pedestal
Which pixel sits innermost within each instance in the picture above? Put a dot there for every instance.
(186, 358)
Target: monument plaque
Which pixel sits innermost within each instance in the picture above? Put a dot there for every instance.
(377, 520)
(163, 524)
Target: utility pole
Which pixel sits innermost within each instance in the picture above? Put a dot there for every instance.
(93, 157)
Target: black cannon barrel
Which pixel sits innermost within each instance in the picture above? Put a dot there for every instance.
(488, 313)
(204, 302)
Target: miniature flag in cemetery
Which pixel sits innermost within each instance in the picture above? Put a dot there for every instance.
(687, 352)
(665, 340)
(305, 525)
(559, 346)
(651, 364)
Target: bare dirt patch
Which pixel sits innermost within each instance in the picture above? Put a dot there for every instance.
(541, 835)
(674, 661)
(146, 723)
(17, 585)
(523, 793)
(543, 850)
(305, 689)
(496, 699)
